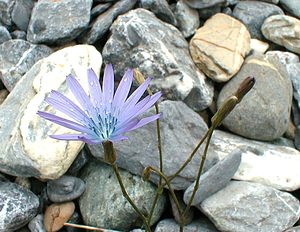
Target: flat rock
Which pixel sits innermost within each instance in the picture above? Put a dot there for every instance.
(187, 18)
(264, 112)
(26, 148)
(103, 205)
(181, 130)
(48, 22)
(283, 30)
(218, 48)
(37, 224)
(291, 6)
(253, 14)
(214, 179)
(140, 40)
(104, 21)
(251, 207)
(17, 206)
(201, 4)
(17, 57)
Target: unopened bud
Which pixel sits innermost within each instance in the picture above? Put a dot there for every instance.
(146, 173)
(140, 78)
(109, 152)
(245, 87)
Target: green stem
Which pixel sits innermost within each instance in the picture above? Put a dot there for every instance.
(125, 194)
(203, 158)
(159, 146)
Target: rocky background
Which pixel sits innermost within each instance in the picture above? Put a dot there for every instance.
(198, 52)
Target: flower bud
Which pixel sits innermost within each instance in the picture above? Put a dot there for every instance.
(245, 87)
(109, 152)
(146, 173)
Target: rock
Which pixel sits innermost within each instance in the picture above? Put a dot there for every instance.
(37, 224)
(221, 36)
(284, 58)
(4, 34)
(253, 14)
(273, 165)
(57, 214)
(258, 46)
(264, 112)
(6, 7)
(214, 179)
(158, 50)
(66, 188)
(283, 30)
(181, 129)
(58, 21)
(21, 13)
(161, 9)
(188, 216)
(244, 206)
(293, 229)
(17, 34)
(104, 21)
(17, 206)
(293, 70)
(291, 6)
(99, 9)
(80, 161)
(187, 18)
(26, 148)
(75, 219)
(202, 225)
(3, 94)
(207, 13)
(201, 4)
(297, 138)
(17, 57)
(103, 205)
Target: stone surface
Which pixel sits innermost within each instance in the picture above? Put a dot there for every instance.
(214, 179)
(246, 207)
(293, 70)
(187, 18)
(80, 161)
(17, 206)
(201, 4)
(37, 224)
(66, 188)
(17, 57)
(202, 225)
(158, 50)
(26, 148)
(181, 130)
(99, 8)
(103, 205)
(104, 21)
(161, 9)
(58, 21)
(291, 6)
(293, 229)
(283, 30)
(6, 7)
(262, 115)
(258, 46)
(3, 94)
(21, 13)
(269, 164)
(218, 48)
(253, 13)
(4, 34)
(57, 214)
(17, 34)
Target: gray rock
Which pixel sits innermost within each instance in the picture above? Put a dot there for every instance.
(291, 6)
(199, 225)
(294, 73)
(21, 13)
(181, 130)
(100, 8)
(187, 18)
(58, 21)
(161, 9)
(66, 188)
(104, 21)
(81, 160)
(283, 30)
(17, 57)
(17, 34)
(206, 13)
(188, 216)
(103, 205)
(158, 50)
(297, 138)
(293, 229)
(6, 7)
(4, 34)
(37, 224)
(201, 4)
(17, 206)
(264, 112)
(75, 219)
(214, 179)
(251, 207)
(253, 14)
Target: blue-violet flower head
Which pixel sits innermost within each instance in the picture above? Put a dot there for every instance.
(102, 115)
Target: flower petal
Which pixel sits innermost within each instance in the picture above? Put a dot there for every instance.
(95, 88)
(108, 86)
(145, 121)
(66, 137)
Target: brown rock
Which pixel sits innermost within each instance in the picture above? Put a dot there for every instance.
(57, 214)
(219, 47)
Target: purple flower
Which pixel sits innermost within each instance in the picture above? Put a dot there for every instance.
(101, 115)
